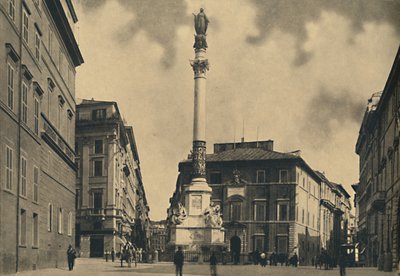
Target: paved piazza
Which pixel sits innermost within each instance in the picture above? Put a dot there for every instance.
(100, 267)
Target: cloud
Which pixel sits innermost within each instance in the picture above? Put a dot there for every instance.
(158, 19)
(328, 109)
(291, 16)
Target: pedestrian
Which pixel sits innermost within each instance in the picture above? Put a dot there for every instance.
(263, 259)
(107, 253)
(342, 263)
(112, 254)
(71, 255)
(295, 259)
(178, 261)
(213, 264)
(256, 255)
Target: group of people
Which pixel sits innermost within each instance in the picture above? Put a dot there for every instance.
(283, 259)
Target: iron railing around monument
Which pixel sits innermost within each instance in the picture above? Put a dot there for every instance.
(194, 257)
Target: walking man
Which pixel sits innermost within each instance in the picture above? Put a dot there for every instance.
(213, 264)
(342, 263)
(112, 254)
(71, 255)
(178, 261)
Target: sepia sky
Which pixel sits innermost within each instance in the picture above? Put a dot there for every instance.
(298, 71)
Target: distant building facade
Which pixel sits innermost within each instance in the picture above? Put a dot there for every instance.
(110, 199)
(378, 191)
(158, 235)
(270, 201)
(37, 118)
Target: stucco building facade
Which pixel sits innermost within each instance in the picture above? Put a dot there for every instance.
(110, 198)
(270, 201)
(378, 190)
(37, 117)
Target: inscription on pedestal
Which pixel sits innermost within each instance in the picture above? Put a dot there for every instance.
(195, 205)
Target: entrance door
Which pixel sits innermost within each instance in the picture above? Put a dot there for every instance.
(236, 244)
(96, 246)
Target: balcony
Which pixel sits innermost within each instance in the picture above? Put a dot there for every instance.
(377, 201)
(54, 139)
(91, 212)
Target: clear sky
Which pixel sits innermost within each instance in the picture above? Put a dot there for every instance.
(298, 71)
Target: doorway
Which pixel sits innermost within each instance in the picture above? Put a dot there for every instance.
(96, 246)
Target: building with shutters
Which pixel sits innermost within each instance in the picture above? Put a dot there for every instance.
(37, 129)
(378, 190)
(270, 200)
(110, 198)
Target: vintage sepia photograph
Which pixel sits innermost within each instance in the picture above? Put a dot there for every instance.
(200, 137)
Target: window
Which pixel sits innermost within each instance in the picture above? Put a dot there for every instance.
(215, 178)
(23, 177)
(22, 227)
(283, 211)
(10, 86)
(25, 27)
(302, 216)
(259, 243)
(235, 210)
(37, 46)
(35, 230)
(69, 232)
(313, 220)
(283, 176)
(98, 146)
(308, 218)
(282, 244)
(98, 200)
(50, 42)
(35, 184)
(78, 199)
(260, 176)
(98, 168)
(9, 168)
(24, 103)
(50, 218)
(60, 221)
(36, 116)
(98, 114)
(259, 211)
(11, 9)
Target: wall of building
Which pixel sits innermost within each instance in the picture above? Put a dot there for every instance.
(27, 241)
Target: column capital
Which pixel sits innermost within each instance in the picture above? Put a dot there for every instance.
(200, 67)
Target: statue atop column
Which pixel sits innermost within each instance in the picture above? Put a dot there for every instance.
(200, 25)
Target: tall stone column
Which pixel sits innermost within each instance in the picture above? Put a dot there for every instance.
(198, 192)
(200, 67)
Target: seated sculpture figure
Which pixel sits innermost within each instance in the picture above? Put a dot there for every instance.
(212, 216)
(178, 214)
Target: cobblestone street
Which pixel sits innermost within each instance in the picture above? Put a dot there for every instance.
(100, 267)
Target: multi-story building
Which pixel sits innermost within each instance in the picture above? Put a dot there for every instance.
(158, 230)
(379, 187)
(269, 200)
(37, 119)
(110, 197)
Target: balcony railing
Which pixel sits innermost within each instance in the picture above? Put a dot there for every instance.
(52, 137)
(377, 201)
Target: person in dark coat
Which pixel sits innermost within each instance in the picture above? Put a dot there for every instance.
(295, 259)
(178, 261)
(112, 254)
(213, 264)
(342, 263)
(71, 255)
